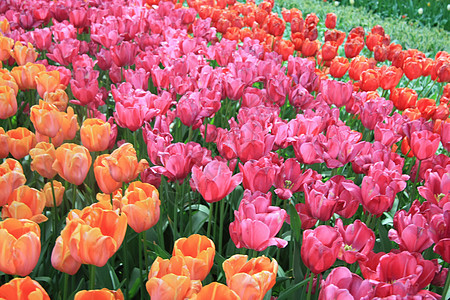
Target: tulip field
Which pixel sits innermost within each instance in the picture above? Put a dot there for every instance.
(216, 149)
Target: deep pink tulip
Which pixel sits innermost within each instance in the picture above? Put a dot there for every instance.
(64, 52)
(343, 284)
(277, 89)
(233, 87)
(42, 38)
(358, 239)
(323, 200)
(124, 53)
(257, 223)
(320, 248)
(258, 175)
(374, 111)
(79, 17)
(214, 181)
(424, 144)
(84, 86)
(253, 142)
(336, 92)
(307, 149)
(290, 178)
(437, 187)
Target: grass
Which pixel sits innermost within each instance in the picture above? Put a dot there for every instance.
(410, 34)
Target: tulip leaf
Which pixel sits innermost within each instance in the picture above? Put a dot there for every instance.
(135, 279)
(296, 224)
(285, 294)
(268, 295)
(107, 277)
(155, 248)
(198, 219)
(385, 241)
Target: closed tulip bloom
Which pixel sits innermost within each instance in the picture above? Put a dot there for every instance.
(20, 247)
(43, 156)
(25, 76)
(21, 141)
(25, 203)
(339, 66)
(370, 80)
(170, 279)
(424, 144)
(320, 248)
(6, 45)
(250, 279)
(7, 79)
(72, 163)
(141, 205)
(104, 180)
(59, 193)
(48, 82)
(103, 294)
(214, 181)
(330, 21)
(58, 98)
(95, 134)
(46, 118)
(61, 258)
(403, 98)
(358, 240)
(97, 235)
(8, 102)
(217, 291)
(24, 53)
(4, 148)
(198, 252)
(11, 177)
(23, 288)
(123, 164)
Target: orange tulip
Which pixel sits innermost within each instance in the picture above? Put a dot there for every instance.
(20, 142)
(339, 66)
(103, 294)
(104, 200)
(68, 131)
(4, 148)
(24, 53)
(23, 288)
(8, 102)
(61, 258)
(48, 82)
(217, 291)
(43, 156)
(250, 279)
(46, 118)
(25, 75)
(59, 193)
(427, 107)
(170, 279)
(5, 26)
(123, 165)
(95, 134)
(58, 98)
(97, 236)
(6, 44)
(141, 205)
(11, 177)
(7, 79)
(20, 246)
(104, 180)
(198, 252)
(72, 162)
(25, 203)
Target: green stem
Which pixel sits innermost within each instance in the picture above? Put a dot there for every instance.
(91, 277)
(55, 216)
(208, 231)
(125, 259)
(414, 193)
(310, 286)
(74, 196)
(144, 241)
(141, 286)
(66, 285)
(191, 131)
(111, 197)
(175, 211)
(446, 290)
(222, 213)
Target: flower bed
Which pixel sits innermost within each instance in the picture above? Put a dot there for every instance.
(193, 152)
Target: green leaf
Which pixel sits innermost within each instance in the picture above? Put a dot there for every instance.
(292, 289)
(296, 224)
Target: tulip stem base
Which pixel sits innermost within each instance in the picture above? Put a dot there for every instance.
(446, 291)
(91, 277)
(66, 285)
(311, 279)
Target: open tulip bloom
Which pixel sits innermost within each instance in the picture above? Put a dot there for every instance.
(219, 150)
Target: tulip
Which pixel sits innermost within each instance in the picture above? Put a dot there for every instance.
(46, 118)
(21, 141)
(390, 77)
(7, 79)
(370, 80)
(170, 279)
(123, 164)
(341, 283)
(25, 76)
(320, 248)
(339, 66)
(353, 47)
(217, 291)
(358, 240)
(6, 45)
(250, 279)
(58, 98)
(214, 181)
(8, 102)
(198, 253)
(72, 163)
(104, 180)
(4, 148)
(25, 203)
(103, 294)
(95, 134)
(48, 193)
(141, 205)
(23, 288)
(43, 156)
(424, 144)
(61, 258)
(48, 82)
(336, 92)
(330, 21)
(257, 223)
(23, 54)
(20, 247)
(11, 177)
